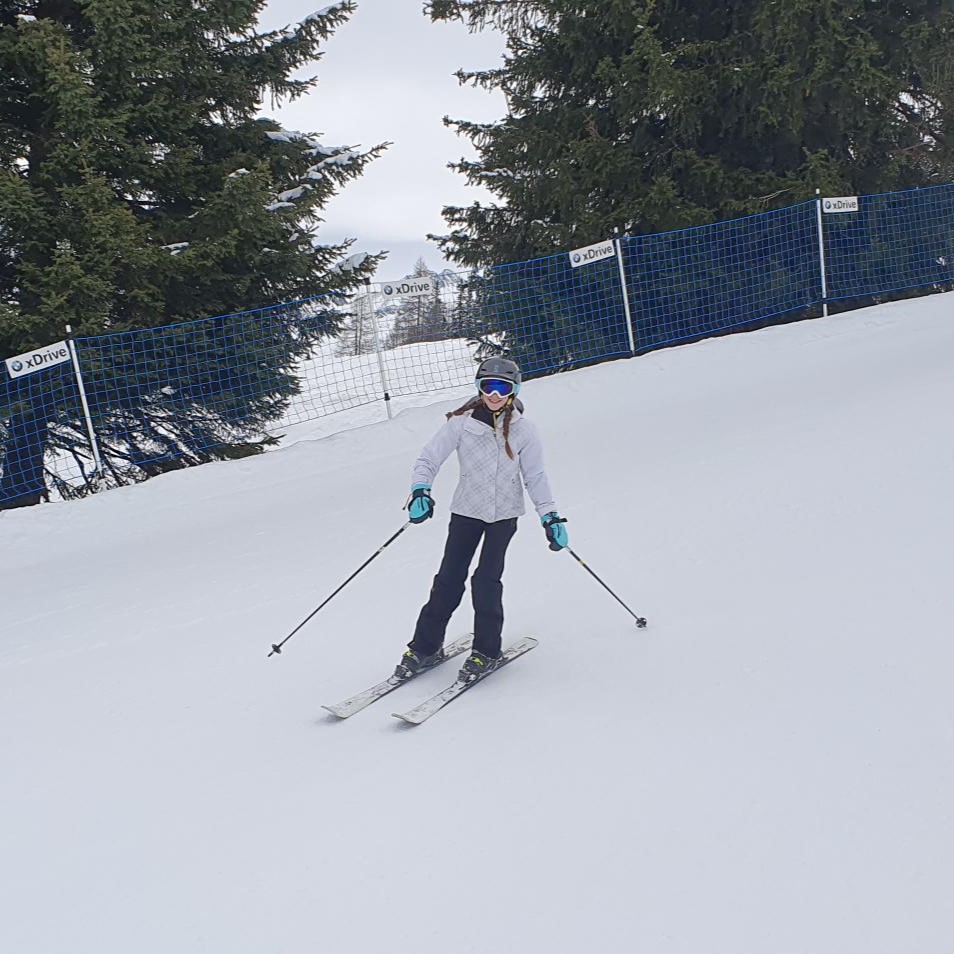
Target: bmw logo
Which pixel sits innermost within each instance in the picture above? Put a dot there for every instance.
(577, 257)
(16, 365)
(388, 289)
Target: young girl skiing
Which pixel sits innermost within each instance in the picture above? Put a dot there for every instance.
(496, 447)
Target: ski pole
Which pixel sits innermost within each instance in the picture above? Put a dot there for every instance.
(277, 647)
(640, 620)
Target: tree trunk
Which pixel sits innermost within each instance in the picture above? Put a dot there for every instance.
(22, 483)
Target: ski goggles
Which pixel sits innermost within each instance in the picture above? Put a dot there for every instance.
(495, 385)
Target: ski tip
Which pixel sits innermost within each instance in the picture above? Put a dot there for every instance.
(407, 720)
(337, 713)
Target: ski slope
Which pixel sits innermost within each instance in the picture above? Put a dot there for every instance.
(765, 769)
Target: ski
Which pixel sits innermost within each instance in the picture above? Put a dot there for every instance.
(363, 699)
(428, 707)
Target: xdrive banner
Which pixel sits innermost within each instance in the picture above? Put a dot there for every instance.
(32, 361)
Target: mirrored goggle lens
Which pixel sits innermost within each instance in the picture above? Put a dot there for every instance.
(489, 385)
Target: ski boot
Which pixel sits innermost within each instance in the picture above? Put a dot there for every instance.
(411, 663)
(477, 665)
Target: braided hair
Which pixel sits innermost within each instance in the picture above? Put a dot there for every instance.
(475, 402)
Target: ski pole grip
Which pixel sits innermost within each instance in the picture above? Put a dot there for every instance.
(553, 544)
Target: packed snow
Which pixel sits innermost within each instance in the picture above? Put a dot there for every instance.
(765, 769)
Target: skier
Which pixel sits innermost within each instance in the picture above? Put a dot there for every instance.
(496, 446)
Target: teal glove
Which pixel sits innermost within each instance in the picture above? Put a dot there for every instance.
(420, 505)
(554, 526)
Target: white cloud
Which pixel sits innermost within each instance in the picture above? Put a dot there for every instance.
(388, 75)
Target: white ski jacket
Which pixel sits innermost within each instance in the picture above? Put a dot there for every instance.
(490, 482)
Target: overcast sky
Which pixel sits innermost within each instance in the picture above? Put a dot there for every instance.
(388, 75)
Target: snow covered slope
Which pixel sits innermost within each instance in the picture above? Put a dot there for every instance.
(765, 769)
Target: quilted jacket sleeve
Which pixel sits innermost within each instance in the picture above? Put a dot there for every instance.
(437, 450)
(534, 475)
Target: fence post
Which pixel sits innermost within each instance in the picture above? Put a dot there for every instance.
(369, 300)
(821, 253)
(622, 281)
(93, 442)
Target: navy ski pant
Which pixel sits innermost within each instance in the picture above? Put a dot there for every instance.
(463, 536)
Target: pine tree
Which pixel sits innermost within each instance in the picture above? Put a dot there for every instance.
(650, 116)
(139, 187)
(357, 333)
(426, 317)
